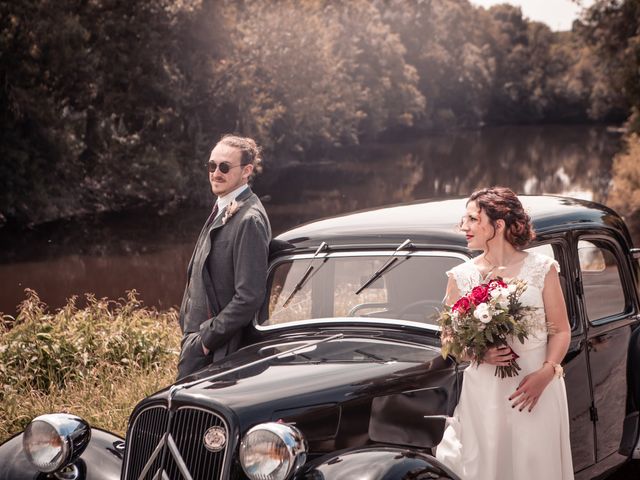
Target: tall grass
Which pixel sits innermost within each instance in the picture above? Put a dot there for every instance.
(97, 361)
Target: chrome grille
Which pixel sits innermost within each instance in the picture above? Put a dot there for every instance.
(155, 428)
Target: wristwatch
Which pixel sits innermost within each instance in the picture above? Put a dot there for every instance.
(558, 371)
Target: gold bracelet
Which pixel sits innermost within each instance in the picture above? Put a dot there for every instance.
(558, 371)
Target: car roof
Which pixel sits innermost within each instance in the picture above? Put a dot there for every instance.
(434, 223)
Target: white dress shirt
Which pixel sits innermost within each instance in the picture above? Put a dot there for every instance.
(225, 200)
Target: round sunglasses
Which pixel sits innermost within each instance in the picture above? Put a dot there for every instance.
(224, 167)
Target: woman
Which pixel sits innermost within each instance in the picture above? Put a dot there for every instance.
(514, 427)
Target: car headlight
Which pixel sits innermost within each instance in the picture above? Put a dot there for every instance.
(272, 451)
(53, 441)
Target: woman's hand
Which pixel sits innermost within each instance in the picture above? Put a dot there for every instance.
(531, 387)
(499, 356)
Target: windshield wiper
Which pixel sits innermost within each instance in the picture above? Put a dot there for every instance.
(323, 246)
(370, 355)
(390, 261)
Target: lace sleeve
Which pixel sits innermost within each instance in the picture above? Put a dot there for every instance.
(540, 268)
(460, 273)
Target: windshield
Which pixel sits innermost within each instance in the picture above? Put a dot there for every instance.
(411, 289)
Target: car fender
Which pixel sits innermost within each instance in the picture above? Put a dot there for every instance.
(101, 460)
(377, 463)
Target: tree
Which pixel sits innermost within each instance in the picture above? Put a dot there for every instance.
(91, 106)
(314, 73)
(445, 43)
(612, 29)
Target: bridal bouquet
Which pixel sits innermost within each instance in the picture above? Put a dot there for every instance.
(485, 318)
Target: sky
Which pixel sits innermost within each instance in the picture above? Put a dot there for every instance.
(558, 14)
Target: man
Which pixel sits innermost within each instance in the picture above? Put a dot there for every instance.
(226, 277)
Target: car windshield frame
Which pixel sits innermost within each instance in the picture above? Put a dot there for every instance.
(380, 253)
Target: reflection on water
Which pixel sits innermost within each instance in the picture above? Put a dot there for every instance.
(562, 160)
(114, 253)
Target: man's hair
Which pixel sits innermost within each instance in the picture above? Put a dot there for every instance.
(250, 152)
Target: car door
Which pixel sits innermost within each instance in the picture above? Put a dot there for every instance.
(604, 286)
(575, 363)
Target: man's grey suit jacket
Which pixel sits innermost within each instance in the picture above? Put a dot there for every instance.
(234, 279)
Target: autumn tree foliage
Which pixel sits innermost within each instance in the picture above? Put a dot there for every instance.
(107, 104)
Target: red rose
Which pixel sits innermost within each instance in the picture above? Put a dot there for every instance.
(480, 294)
(462, 306)
(498, 282)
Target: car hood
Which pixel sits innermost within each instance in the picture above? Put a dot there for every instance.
(323, 379)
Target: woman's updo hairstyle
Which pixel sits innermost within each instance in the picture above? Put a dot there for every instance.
(501, 203)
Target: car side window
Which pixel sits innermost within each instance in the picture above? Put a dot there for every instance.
(601, 281)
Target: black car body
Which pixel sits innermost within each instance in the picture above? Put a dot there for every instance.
(342, 376)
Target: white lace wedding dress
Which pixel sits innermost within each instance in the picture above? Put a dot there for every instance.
(486, 439)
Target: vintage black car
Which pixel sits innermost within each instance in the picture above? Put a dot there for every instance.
(341, 376)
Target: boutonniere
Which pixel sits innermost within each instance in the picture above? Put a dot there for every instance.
(230, 211)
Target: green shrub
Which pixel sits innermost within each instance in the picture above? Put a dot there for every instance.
(97, 361)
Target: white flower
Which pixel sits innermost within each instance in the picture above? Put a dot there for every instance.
(455, 320)
(500, 295)
(230, 212)
(511, 288)
(482, 313)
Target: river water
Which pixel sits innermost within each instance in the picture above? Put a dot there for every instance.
(148, 250)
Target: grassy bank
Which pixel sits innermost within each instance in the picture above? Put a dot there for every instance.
(97, 361)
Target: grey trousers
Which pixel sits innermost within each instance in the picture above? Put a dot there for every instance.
(192, 357)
